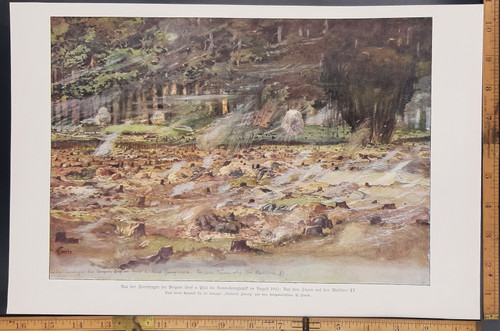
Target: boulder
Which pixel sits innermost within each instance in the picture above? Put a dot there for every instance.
(292, 123)
(103, 117)
(158, 117)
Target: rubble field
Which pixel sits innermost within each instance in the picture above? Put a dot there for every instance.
(277, 213)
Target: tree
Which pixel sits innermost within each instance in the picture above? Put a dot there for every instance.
(371, 85)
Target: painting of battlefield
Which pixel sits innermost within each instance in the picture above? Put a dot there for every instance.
(270, 150)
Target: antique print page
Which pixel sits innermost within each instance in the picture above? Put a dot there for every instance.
(278, 157)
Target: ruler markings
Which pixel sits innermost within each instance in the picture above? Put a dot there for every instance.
(490, 161)
(152, 323)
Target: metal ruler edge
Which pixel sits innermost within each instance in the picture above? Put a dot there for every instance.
(490, 228)
(202, 323)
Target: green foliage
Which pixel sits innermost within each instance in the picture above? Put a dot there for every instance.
(99, 53)
(275, 92)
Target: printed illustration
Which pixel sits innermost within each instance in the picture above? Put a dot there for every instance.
(215, 149)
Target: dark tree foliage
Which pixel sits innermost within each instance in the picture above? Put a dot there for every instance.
(371, 72)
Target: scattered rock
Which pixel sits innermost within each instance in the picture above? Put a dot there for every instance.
(374, 220)
(263, 172)
(389, 206)
(207, 221)
(266, 234)
(315, 230)
(239, 246)
(140, 201)
(105, 172)
(422, 222)
(61, 238)
(322, 221)
(162, 256)
(342, 204)
(116, 176)
(232, 227)
(236, 173)
(269, 207)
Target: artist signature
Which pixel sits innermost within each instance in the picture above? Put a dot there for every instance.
(63, 251)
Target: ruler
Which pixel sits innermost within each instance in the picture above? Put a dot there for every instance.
(490, 162)
(188, 323)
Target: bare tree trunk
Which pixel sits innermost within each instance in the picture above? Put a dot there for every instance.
(144, 105)
(57, 113)
(211, 41)
(64, 109)
(373, 125)
(123, 107)
(86, 108)
(95, 105)
(130, 104)
(164, 94)
(173, 90)
(116, 111)
(224, 106)
(280, 34)
(75, 111)
(154, 96)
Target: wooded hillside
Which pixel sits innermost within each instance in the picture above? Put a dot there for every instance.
(196, 70)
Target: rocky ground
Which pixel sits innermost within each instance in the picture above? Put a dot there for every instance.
(266, 213)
